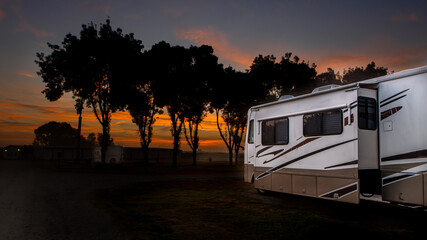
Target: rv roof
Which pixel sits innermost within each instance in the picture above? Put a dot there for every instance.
(401, 74)
(372, 81)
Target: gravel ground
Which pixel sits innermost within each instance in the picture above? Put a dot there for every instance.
(48, 203)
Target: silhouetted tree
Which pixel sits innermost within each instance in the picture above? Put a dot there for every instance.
(169, 67)
(204, 68)
(79, 108)
(231, 97)
(178, 79)
(328, 77)
(100, 140)
(359, 73)
(265, 71)
(143, 110)
(295, 77)
(289, 76)
(90, 140)
(98, 68)
(55, 134)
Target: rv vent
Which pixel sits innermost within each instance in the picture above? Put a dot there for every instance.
(284, 97)
(327, 87)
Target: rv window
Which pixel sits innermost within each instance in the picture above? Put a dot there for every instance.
(275, 132)
(367, 111)
(251, 132)
(322, 123)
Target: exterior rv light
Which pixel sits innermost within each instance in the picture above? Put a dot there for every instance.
(349, 113)
(324, 88)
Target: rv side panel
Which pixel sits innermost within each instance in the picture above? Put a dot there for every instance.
(403, 138)
(291, 156)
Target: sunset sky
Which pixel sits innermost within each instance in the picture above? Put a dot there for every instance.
(336, 34)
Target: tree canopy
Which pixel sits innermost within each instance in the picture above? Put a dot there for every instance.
(290, 76)
(107, 71)
(359, 73)
(98, 68)
(60, 134)
(178, 77)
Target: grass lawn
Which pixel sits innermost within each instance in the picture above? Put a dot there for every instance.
(231, 209)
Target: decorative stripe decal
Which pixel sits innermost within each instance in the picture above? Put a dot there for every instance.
(293, 148)
(271, 170)
(395, 179)
(341, 192)
(263, 150)
(343, 164)
(387, 113)
(382, 105)
(274, 153)
(394, 95)
(416, 154)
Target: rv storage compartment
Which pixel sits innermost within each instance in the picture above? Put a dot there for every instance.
(404, 188)
(263, 183)
(282, 182)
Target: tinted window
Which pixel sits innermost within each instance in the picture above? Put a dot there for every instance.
(251, 132)
(323, 123)
(275, 132)
(367, 112)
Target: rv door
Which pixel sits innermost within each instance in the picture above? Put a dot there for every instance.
(368, 149)
(250, 147)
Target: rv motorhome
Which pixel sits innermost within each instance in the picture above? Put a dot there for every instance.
(341, 142)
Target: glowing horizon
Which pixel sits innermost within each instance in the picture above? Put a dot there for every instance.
(353, 36)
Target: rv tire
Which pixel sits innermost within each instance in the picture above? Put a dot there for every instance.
(262, 191)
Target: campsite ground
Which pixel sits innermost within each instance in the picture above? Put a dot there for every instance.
(210, 201)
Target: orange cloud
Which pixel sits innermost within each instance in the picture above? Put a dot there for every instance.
(24, 74)
(405, 18)
(341, 62)
(1, 14)
(101, 8)
(219, 41)
(174, 13)
(24, 26)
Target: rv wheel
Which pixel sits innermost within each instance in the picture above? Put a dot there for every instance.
(262, 191)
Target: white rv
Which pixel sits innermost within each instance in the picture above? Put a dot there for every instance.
(340, 142)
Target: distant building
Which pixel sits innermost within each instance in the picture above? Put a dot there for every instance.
(17, 152)
(135, 153)
(87, 154)
(62, 153)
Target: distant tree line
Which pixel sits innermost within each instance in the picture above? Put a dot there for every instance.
(108, 71)
(63, 134)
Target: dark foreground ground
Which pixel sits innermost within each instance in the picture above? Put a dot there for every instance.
(40, 201)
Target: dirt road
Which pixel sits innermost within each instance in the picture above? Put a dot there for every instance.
(47, 203)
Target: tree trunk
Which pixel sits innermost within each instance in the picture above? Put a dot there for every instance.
(194, 157)
(145, 154)
(79, 133)
(175, 150)
(236, 156)
(104, 143)
(230, 156)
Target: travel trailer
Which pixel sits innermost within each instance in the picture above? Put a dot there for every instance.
(114, 154)
(344, 142)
